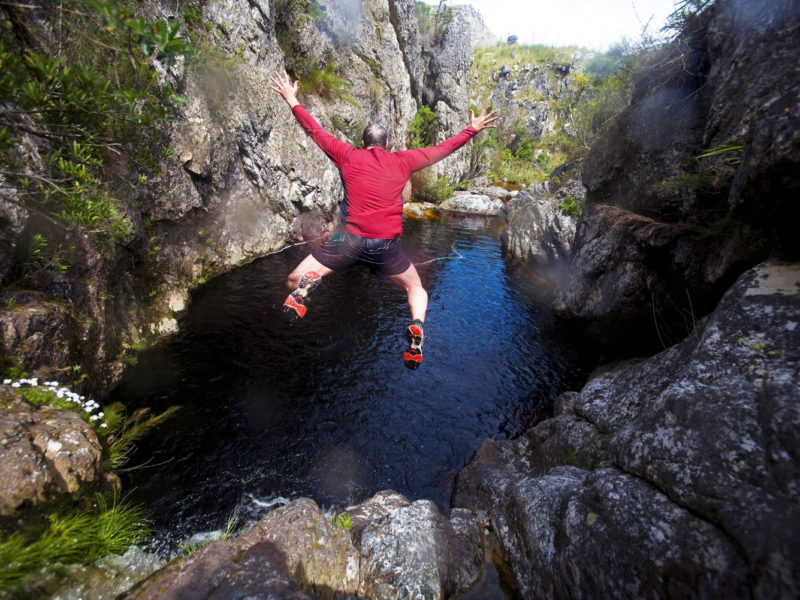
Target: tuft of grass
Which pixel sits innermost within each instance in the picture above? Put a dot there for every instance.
(79, 537)
(570, 207)
(325, 83)
(124, 431)
(342, 520)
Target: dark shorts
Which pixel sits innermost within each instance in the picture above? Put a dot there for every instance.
(342, 250)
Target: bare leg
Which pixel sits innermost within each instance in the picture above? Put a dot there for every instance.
(417, 296)
(309, 263)
(418, 303)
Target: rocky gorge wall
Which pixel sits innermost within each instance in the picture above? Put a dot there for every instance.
(671, 474)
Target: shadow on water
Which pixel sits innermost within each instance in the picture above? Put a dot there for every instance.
(327, 409)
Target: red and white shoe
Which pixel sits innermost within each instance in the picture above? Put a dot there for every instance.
(296, 303)
(416, 335)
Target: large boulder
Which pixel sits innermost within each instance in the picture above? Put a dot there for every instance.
(46, 456)
(542, 221)
(671, 476)
(476, 204)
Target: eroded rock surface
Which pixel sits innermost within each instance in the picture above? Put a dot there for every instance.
(45, 454)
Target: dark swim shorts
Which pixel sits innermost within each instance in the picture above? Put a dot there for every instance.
(342, 250)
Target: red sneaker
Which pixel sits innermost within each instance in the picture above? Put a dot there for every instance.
(296, 303)
(416, 335)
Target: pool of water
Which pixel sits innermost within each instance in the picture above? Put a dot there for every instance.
(326, 408)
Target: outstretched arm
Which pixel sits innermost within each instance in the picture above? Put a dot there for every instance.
(284, 86)
(483, 121)
(336, 150)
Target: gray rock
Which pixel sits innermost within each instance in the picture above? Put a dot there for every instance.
(538, 230)
(732, 207)
(45, 456)
(415, 552)
(473, 204)
(678, 473)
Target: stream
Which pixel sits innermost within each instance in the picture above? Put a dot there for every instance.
(326, 408)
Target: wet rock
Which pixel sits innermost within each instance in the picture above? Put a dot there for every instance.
(419, 210)
(671, 476)
(473, 204)
(45, 455)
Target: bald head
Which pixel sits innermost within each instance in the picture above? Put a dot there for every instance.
(375, 135)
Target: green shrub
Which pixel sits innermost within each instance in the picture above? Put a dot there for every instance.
(570, 207)
(95, 99)
(433, 23)
(428, 188)
(422, 130)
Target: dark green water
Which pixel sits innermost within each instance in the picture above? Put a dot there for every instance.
(327, 409)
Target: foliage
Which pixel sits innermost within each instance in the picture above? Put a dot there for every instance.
(91, 100)
(123, 431)
(570, 207)
(79, 537)
(428, 188)
(116, 430)
(342, 520)
(684, 11)
(325, 83)
(433, 24)
(422, 130)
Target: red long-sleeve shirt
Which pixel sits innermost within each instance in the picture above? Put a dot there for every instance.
(374, 178)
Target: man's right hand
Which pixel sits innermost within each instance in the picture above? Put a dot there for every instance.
(284, 86)
(483, 121)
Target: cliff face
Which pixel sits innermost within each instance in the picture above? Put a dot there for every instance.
(674, 475)
(691, 185)
(241, 181)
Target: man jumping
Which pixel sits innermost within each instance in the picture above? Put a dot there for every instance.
(373, 180)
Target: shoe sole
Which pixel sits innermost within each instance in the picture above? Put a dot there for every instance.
(295, 305)
(413, 356)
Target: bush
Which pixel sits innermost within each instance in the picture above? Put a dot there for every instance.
(570, 207)
(428, 188)
(96, 99)
(422, 130)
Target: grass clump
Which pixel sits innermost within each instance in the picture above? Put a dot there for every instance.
(325, 83)
(78, 537)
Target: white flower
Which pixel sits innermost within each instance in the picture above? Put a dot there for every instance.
(16, 384)
(6, 381)
(103, 424)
